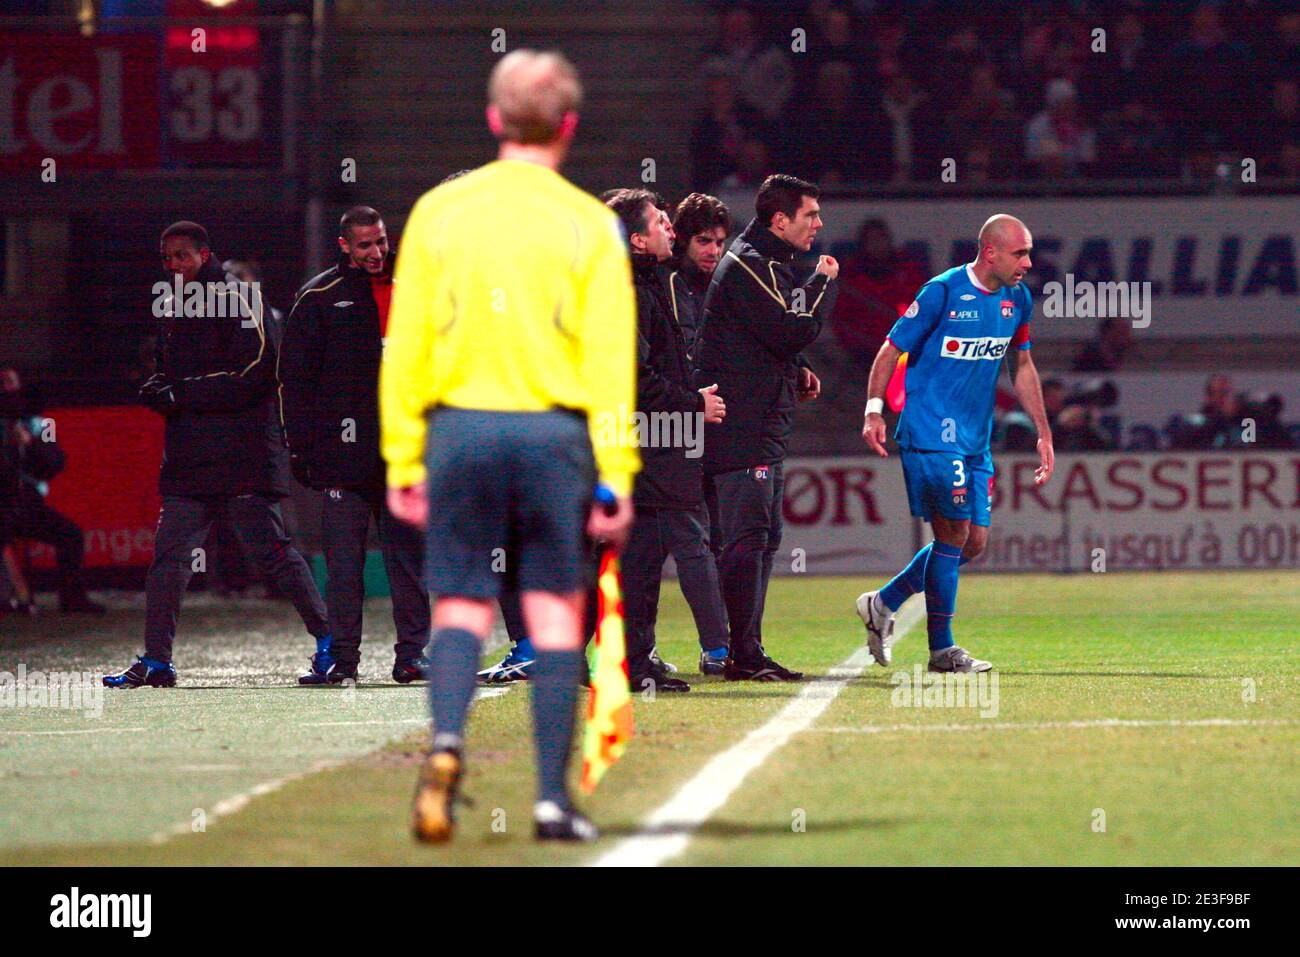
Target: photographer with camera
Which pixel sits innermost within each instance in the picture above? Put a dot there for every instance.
(29, 460)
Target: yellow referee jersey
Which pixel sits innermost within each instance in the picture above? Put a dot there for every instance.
(513, 293)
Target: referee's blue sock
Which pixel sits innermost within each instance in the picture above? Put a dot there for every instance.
(453, 664)
(909, 581)
(941, 593)
(555, 679)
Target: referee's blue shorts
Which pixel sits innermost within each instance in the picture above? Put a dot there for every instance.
(958, 487)
(509, 496)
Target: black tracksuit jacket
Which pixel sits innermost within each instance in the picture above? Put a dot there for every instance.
(223, 436)
(669, 478)
(749, 343)
(329, 378)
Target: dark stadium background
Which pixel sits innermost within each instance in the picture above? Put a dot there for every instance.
(250, 138)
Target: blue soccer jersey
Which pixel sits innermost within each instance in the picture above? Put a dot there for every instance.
(956, 335)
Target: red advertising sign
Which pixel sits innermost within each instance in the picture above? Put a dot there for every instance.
(82, 102)
(110, 484)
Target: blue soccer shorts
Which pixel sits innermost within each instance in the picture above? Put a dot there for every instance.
(956, 486)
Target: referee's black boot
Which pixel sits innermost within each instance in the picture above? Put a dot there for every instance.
(554, 822)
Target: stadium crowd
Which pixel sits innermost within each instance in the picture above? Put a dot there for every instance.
(881, 92)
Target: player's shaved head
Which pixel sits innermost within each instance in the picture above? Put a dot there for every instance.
(1005, 245)
(531, 93)
(1002, 230)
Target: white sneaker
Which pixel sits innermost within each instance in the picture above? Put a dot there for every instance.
(880, 627)
(957, 659)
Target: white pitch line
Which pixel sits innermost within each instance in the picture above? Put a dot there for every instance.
(667, 831)
(237, 802)
(80, 731)
(1046, 725)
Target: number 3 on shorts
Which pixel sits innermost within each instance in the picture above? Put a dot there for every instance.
(960, 480)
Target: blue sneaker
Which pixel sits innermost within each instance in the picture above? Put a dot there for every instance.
(321, 663)
(713, 662)
(515, 666)
(145, 671)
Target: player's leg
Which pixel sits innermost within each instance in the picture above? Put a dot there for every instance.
(642, 563)
(746, 521)
(403, 550)
(775, 529)
(183, 525)
(518, 661)
(469, 514)
(878, 608)
(35, 521)
(460, 626)
(259, 524)
(956, 503)
(687, 539)
(344, 524)
(554, 475)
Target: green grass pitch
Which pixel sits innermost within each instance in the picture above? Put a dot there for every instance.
(1141, 720)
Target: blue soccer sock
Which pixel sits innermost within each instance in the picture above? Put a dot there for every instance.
(524, 649)
(323, 644)
(453, 665)
(941, 593)
(909, 581)
(717, 654)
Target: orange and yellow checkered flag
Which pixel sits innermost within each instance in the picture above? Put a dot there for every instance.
(609, 707)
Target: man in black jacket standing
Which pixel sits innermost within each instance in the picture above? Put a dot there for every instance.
(668, 494)
(223, 451)
(757, 321)
(329, 402)
(700, 226)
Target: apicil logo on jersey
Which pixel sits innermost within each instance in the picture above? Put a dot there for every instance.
(982, 347)
(1008, 308)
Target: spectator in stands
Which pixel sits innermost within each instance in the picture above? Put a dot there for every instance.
(833, 38)
(765, 78)
(1058, 141)
(1125, 71)
(753, 165)
(903, 101)
(876, 285)
(1209, 72)
(1135, 143)
(1074, 424)
(34, 458)
(1279, 124)
(722, 128)
(834, 138)
(984, 113)
(1223, 419)
(1106, 352)
(1282, 50)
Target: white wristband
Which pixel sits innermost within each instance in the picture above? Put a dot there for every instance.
(876, 405)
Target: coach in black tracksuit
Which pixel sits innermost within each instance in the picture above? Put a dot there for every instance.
(329, 380)
(757, 320)
(668, 493)
(222, 453)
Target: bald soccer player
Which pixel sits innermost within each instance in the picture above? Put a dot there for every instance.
(957, 331)
(506, 398)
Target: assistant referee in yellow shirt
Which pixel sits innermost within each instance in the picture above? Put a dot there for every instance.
(506, 397)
